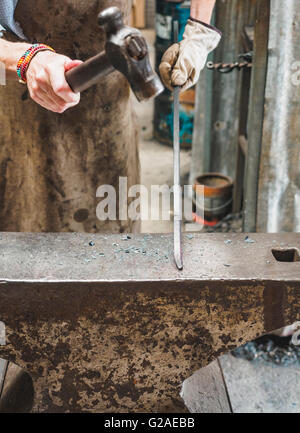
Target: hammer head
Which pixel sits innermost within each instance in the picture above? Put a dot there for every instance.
(128, 52)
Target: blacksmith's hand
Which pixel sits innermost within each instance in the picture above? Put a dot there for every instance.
(47, 84)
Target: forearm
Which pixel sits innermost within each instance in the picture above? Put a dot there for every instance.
(10, 53)
(202, 10)
(45, 75)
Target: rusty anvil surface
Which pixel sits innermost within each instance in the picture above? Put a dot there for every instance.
(107, 322)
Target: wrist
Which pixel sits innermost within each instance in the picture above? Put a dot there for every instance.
(26, 59)
(202, 14)
(41, 57)
(206, 25)
(202, 10)
(10, 54)
(203, 17)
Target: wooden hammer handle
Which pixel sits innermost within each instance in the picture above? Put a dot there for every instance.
(88, 73)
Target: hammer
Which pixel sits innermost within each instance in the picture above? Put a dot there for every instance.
(126, 51)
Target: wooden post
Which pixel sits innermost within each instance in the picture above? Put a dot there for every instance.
(138, 18)
(256, 113)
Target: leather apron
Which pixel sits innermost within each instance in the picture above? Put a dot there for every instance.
(51, 165)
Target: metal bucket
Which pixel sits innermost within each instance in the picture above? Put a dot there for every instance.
(218, 196)
(166, 14)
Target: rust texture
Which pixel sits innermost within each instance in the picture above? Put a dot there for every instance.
(52, 164)
(107, 323)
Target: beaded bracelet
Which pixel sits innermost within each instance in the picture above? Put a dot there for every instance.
(25, 60)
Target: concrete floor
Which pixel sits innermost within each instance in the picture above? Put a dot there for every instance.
(156, 159)
(258, 387)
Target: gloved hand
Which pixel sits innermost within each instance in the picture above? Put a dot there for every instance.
(182, 62)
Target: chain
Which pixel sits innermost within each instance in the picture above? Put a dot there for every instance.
(244, 62)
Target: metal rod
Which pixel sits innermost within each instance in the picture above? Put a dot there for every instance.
(176, 166)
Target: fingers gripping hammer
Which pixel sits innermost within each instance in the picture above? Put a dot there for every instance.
(126, 51)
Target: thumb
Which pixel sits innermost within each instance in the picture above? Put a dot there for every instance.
(57, 78)
(70, 64)
(180, 73)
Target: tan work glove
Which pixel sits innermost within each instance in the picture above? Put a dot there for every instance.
(182, 62)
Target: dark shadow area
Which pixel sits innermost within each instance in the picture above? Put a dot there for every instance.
(17, 390)
(270, 348)
(289, 255)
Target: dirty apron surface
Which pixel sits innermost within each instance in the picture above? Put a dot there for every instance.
(52, 164)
